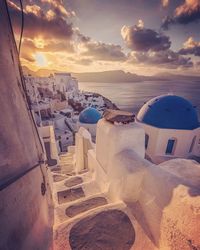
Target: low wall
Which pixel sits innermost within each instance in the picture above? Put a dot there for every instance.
(164, 199)
(112, 139)
(83, 142)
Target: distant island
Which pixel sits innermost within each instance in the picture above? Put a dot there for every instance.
(114, 76)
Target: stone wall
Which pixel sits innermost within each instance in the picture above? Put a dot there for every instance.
(24, 213)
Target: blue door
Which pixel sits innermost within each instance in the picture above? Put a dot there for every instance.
(170, 146)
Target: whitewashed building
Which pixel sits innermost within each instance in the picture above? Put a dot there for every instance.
(64, 82)
(171, 128)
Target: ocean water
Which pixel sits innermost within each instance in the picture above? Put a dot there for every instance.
(131, 96)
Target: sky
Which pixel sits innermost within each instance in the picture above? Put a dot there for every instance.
(145, 37)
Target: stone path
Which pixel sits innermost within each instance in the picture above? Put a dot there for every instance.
(86, 205)
(84, 217)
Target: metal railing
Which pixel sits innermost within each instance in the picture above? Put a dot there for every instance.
(13, 179)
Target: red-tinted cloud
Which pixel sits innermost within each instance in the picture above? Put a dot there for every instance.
(190, 47)
(37, 22)
(186, 13)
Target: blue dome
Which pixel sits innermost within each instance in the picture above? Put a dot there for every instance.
(170, 112)
(89, 116)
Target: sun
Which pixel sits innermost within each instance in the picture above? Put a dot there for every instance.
(40, 60)
(39, 43)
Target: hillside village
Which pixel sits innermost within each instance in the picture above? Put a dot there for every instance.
(56, 100)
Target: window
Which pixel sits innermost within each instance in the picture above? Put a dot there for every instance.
(146, 140)
(170, 146)
(192, 144)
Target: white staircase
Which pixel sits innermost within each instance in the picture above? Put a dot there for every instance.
(76, 196)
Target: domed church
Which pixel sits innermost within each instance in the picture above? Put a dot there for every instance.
(171, 127)
(88, 119)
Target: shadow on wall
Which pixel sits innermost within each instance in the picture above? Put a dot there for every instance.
(168, 204)
(160, 195)
(163, 198)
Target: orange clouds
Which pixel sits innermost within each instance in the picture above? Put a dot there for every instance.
(51, 40)
(34, 9)
(188, 7)
(186, 13)
(165, 3)
(190, 47)
(39, 22)
(58, 4)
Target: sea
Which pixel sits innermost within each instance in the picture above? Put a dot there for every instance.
(130, 96)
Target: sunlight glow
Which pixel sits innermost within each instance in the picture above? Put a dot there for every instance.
(39, 43)
(40, 59)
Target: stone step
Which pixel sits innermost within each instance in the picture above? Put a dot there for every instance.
(62, 175)
(73, 181)
(84, 206)
(60, 209)
(60, 216)
(65, 172)
(70, 195)
(57, 178)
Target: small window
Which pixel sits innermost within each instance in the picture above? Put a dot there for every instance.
(192, 144)
(170, 146)
(146, 140)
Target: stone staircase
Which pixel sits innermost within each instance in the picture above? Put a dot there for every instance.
(85, 218)
(76, 196)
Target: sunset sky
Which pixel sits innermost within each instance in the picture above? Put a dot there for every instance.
(141, 36)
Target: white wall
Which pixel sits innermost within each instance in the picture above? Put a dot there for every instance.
(62, 81)
(90, 127)
(83, 143)
(164, 199)
(111, 139)
(158, 139)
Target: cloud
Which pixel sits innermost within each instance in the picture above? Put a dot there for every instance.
(46, 30)
(103, 51)
(165, 3)
(190, 47)
(59, 8)
(37, 23)
(47, 45)
(150, 48)
(34, 9)
(49, 32)
(99, 50)
(139, 38)
(165, 59)
(84, 61)
(186, 13)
